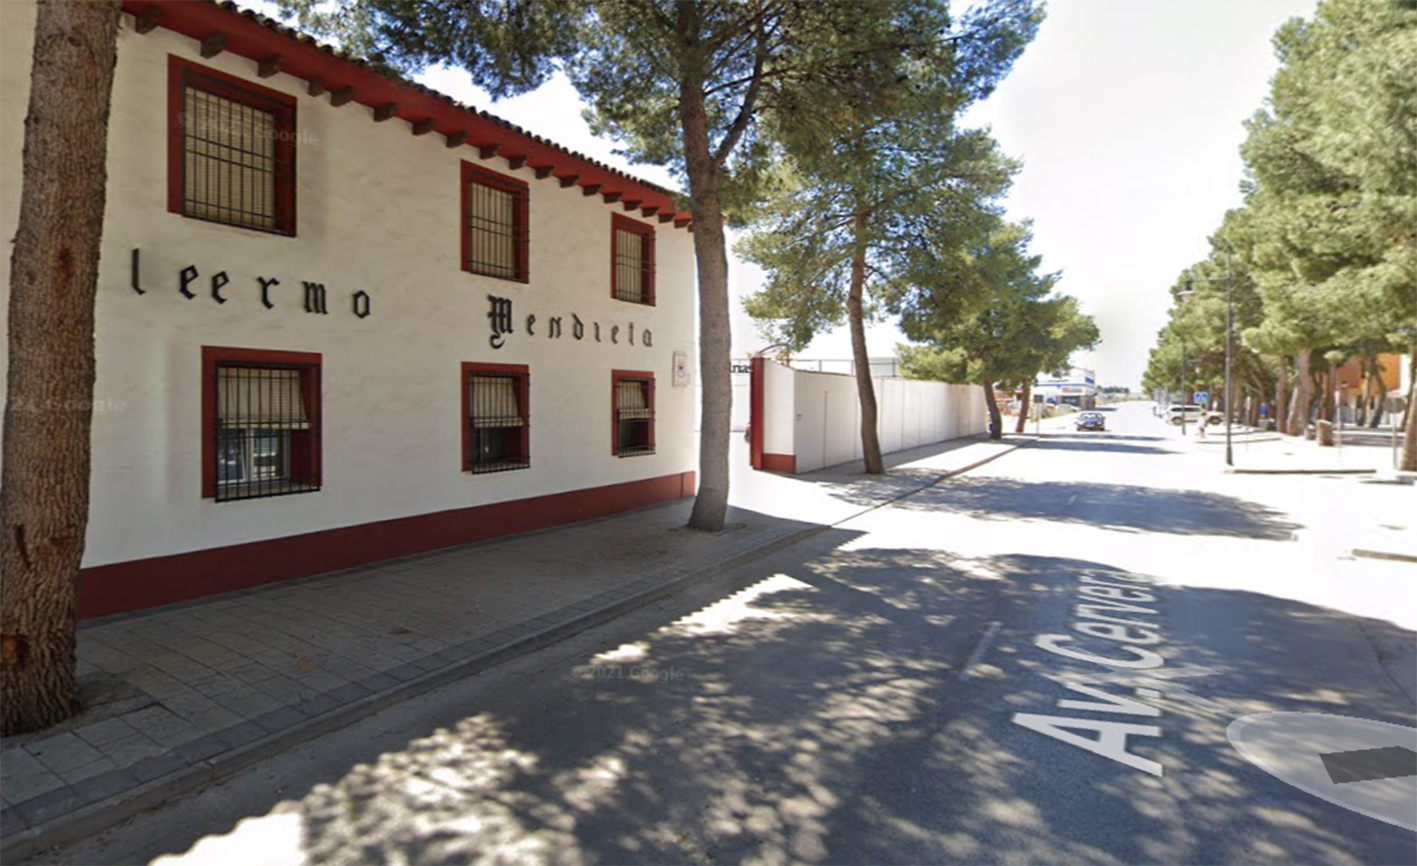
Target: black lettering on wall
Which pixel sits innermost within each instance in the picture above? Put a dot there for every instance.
(188, 274)
(315, 298)
(219, 280)
(615, 334)
(265, 290)
(597, 332)
(501, 318)
(553, 327)
(137, 288)
(647, 338)
(632, 333)
(530, 320)
(361, 304)
(577, 327)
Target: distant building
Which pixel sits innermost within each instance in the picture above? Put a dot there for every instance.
(1077, 387)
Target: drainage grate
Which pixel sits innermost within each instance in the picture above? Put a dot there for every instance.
(1363, 765)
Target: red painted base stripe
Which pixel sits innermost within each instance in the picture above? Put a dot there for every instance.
(780, 463)
(144, 583)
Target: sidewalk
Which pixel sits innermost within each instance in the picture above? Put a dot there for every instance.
(186, 694)
(1389, 533)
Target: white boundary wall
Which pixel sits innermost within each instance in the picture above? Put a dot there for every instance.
(816, 417)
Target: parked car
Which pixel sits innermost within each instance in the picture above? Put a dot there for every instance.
(1090, 421)
(1193, 413)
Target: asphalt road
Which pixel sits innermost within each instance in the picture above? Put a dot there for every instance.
(895, 690)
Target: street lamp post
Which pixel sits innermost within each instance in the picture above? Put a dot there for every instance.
(1184, 401)
(1229, 330)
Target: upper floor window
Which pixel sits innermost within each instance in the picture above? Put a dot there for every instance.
(260, 423)
(632, 261)
(496, 417)
(494, 224)
(231, 150)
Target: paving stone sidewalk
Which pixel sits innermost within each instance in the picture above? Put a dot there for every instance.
(182, 695)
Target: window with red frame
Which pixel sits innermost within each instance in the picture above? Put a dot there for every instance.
(632, 260)
(494, 224)
(496, 417)
(633, 416)
(231, 150)
(260, 423)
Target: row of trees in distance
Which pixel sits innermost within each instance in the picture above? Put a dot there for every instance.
(1322, 256)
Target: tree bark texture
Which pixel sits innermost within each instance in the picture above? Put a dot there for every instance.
(855, 317)
(1024, 405)
(1303, 395)
(1375, 394)
(1281, 397)
(1408, 461)
(711, 256)
(996, 421)
(44, 482)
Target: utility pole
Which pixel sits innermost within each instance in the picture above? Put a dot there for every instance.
(1229, 328)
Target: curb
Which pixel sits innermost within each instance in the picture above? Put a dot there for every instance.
(1382, 554)
(98, 816)
(1233, 470)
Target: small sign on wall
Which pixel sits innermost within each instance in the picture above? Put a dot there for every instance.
(681, 370)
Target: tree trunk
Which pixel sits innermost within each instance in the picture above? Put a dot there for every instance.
(1280, 411)
(1408, 461)
(711, 256)
(44, 482)
(996, 421)
(1024, 405)
(855, 317)
(1376, 394)
(1303, 396)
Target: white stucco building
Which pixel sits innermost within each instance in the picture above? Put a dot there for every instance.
(342, 318)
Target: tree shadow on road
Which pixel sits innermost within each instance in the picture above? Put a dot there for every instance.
(1109, 506)
(821, 713)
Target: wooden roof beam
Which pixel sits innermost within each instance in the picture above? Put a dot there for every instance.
(269, 66)
(422, 127)
(570, 180)
(590, 189)
(214, 45)
(341, 97)
(385, 111)
(612, 197)
(455, 139)
(147, 21)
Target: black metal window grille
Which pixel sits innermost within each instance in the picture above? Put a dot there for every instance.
(267, 441)
(634, 264)
(238, 155)
(634, 417)
(498, 422)
(496, 228)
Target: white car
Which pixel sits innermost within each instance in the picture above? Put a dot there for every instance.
(1193, 413)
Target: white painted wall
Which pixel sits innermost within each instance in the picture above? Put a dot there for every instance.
(818, 415)
(378, 210)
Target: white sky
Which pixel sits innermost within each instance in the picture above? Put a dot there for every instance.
(1127, 115)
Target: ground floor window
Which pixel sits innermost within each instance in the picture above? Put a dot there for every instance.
(633, 413)
(260, 424)
(496, 417)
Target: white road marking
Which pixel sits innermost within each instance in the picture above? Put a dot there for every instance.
(981, 648)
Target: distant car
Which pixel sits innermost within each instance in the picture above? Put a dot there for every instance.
(1193, 413)
(1090, 421)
